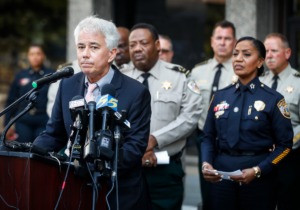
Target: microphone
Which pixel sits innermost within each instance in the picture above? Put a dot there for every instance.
(77, 108)
(53, 77)
(107, 104)
(111, 103)
(90, 151)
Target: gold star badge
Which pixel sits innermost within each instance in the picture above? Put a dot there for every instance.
(289, 89)
(166, 85)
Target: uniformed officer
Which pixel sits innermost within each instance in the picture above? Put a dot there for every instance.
(166, 48)
(54, 86)
(286, 80)
(244, 121)
(211, 75)
(28, 127)
(122, 60)
(175, 104)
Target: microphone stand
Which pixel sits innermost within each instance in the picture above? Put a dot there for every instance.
(74, 139)
(31, 96)
(15, 103)
(117, 137)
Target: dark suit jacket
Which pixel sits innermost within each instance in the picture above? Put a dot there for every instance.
(133, 97)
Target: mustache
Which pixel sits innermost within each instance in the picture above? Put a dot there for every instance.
(271, 60)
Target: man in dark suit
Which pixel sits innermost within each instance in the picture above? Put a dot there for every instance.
(96, 41)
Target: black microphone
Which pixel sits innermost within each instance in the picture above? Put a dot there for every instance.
(77, 108)
(105, 137)
(53, 77)
(107, 101)
(90, 148)
(78, 113)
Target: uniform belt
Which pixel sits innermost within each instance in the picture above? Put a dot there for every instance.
(176, 157)
(242, 152)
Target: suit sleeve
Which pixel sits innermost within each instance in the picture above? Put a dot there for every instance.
(55, 136)
(136, 138)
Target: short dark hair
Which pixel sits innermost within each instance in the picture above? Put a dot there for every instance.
(225, 24)
(37, 45)
(260, 48)
(150, 27)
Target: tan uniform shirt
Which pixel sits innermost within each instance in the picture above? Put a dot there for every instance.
(288, 84)
(53, 88)
(204, 75)
(175, 108)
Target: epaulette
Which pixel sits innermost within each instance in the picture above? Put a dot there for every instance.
(64, 65)
(202, 63)
(182, 70)
(296, 74)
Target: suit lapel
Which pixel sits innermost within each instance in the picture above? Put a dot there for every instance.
(117, 80)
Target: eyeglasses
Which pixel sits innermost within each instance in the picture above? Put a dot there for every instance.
(165, 50)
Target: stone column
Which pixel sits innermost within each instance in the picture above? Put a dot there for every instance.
(243, 15)
(79, 9)
(251, 17)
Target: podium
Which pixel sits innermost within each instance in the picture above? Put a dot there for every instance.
(32, 182)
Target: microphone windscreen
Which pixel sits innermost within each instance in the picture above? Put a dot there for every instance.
(108, 89)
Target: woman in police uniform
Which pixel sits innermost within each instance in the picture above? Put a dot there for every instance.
(248, 128)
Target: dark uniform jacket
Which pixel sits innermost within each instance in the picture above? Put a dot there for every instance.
(22, 84)
(265, 121)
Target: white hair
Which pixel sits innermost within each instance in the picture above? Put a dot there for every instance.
(104, 27)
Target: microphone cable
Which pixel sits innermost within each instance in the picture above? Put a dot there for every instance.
(66, 175)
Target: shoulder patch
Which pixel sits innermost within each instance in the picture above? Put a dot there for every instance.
(182, 70)
(193, 87)
(283, 108)
(297, 74)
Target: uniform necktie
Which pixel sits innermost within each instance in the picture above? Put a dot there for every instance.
(234, 118)
(215, 85)
(146, 76)
(89, 94)
(274, 85)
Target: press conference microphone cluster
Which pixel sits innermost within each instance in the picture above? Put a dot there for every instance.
(77, 107)
(53, 77)
(99, 140)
